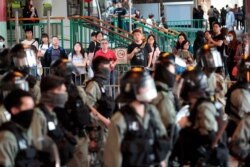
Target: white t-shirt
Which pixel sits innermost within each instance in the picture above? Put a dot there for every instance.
(43, 48)
(78, 59)
(30, 42)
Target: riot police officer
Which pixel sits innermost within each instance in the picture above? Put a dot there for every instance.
(197, 140)
(136, 133)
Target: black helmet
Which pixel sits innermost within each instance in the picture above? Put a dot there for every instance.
(5, 61)
(210, 57)
(244, 70)
(137, 84)
(192, 81)
(63, 68)
(162, 73)
(11, 80)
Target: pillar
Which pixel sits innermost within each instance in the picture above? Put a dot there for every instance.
(3, 17)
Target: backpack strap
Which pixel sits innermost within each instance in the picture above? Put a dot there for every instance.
(22, 142)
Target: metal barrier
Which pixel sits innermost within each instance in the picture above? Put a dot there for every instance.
(53, 25)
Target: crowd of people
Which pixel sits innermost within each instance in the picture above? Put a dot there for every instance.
(188, 107)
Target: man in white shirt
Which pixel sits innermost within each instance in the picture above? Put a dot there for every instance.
(29, 38)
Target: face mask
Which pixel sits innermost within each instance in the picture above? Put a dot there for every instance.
(24, 118)
(147, 92)
(231, 38)
(55, 99)
(103, 73)
(227, 38)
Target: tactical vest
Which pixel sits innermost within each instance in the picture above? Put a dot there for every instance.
(231, 110)
(65, 142)
(27, 155)
(141, 147)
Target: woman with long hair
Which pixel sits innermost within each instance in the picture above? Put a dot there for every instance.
(80, 60)
(151, 41)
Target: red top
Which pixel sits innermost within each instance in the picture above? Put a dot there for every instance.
(109, 55)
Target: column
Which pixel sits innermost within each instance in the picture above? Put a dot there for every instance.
(3, 15)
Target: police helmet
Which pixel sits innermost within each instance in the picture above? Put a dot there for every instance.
(5, 61)
(63, 68)
(192, 81)
(244, 70)
(162, 73)
(210, 57)
(11, 80)
(137, 84)
(23, 56)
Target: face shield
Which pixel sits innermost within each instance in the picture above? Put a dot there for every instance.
(146, 90)
(27, 61)
(211, 59)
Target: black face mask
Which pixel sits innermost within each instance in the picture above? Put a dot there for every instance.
(104, 74)
(24, 118)
(170, 81)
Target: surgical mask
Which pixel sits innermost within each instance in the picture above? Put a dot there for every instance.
(24, 118)
(231, 38)
(55, 99)
(227, 38)
(103, 73)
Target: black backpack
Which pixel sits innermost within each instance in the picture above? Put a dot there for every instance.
(106, 104)
(27, 155)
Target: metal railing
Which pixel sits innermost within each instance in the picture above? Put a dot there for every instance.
(82, 26)
(53, 25)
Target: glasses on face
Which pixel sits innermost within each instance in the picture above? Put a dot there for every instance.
(104, 43)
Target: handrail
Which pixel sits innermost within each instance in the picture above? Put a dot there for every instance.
(103, 22)
(32, 19)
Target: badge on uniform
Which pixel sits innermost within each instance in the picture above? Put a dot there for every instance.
(134, 126)
(51, 125)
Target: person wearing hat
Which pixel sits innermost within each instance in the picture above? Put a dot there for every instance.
(138, 52)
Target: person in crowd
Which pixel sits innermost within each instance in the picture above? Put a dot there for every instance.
(15, 145)
(74, 116)
(163, 25)
(195, 17)
(110, 13)
(109, 54)
(239, 143)
(29, 11)
(230, 20)
(45, 44)
(238, 18)
(166, 102)
(136, 127)
(80, 61)
(53, 53)
(104, 104)
(149, 23)
(95, 45)
(230, 49)
(200, 15)
(2, 42)
(29, 39)
(45, 121)
(138, 17)
(211, 16)
(138, 52)
(120, 12)
(197, 144)
(185, 54)
(223, 14)
(242, 48)
(218, 41)
(238, 101)
(198, 42)
(181, 37)
(151, 41)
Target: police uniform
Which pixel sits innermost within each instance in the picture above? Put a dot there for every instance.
(4, 115)
(93, 93)
(164, 102)
(9, 148)
(117, 130)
